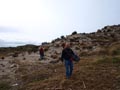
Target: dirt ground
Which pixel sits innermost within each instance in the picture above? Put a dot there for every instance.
(29, 73)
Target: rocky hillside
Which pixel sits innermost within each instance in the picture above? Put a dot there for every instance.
(83, 43)
(86, 44)
(99, 68)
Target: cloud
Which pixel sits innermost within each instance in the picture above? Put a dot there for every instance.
(11, 44)
(8, 30)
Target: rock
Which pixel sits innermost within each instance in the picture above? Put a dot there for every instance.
(75, 32)
(55, 70)
(13, 65)
(54, 56)
(55, 61)
(16, 84)
(2, 65)
(118, 77)
(15, 55)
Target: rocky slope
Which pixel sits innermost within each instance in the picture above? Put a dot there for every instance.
(21, 69)
(96, 43)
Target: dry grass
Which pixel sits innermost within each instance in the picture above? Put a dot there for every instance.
(114, 49)
(88, 75)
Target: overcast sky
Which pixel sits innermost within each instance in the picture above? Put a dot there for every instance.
(44, 20)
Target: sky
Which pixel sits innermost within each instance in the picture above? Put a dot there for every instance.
(36, 21)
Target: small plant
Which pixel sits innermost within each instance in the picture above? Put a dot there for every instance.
(99, 31)
(103, 60)
(54, 56)
(57, 39)
(53, 41)
(24, 58)
(114, 60)
(46, 48)
(15, 54)
(77, 48)
(113, 35)
(2, 58)
(116, 52)
(57, 45)
(44, 43)
(4, 86)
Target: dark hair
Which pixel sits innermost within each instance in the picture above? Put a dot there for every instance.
(63, 45)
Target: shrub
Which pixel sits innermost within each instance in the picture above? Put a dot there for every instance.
(53, 41)
(54, 56)
(2, 58)
(62, 37)
(83, 53)
(74, 33)
(44, 43)
(24, 58)
(99, 31)
(77, 48)
(4, 86)
(103, 52)
(15, 54)
(114, 60)
(103, 60)
(57, 39)
(46, 48)
(57, 45)
(116, 52)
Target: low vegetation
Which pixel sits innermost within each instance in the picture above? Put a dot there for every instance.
(4, 86)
